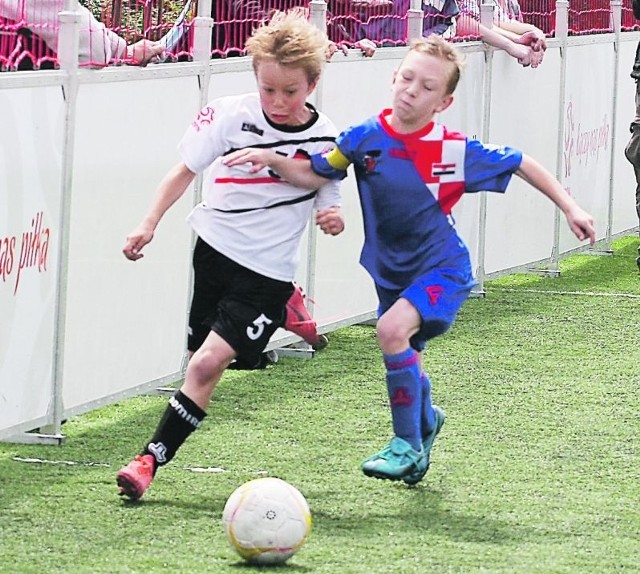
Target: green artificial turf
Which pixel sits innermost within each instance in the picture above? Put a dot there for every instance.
(537, 469)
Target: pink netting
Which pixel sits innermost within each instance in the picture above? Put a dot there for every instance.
(589, 16)
(585, 16)
(23, 47)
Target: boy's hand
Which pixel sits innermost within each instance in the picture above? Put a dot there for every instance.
(259, 158)
(330, 220)
(136, 240)
(535, 47)
(581, 223)
(535, 39)
(368, 47)
(521, 53)
(332, 48)
(143, 52)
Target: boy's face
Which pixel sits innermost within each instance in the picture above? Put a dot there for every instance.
(283, 93)
(419, 91)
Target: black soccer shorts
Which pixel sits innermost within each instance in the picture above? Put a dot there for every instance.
(243, 307)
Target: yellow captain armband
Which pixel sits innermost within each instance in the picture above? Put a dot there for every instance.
(337, 160)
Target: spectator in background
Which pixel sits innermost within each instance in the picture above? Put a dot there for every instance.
(508, 16)
(632, 151)
(346, 24)
(98, 46)
(439, 18)
(235, 20)
(523, 41)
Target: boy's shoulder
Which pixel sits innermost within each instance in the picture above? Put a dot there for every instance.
(364, 127)
(325, 124)
(441, 131)
(227, 109)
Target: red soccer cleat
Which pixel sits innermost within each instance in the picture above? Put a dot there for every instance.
(135, 478)
(300, 322)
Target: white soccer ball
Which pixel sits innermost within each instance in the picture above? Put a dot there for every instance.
(267, 520)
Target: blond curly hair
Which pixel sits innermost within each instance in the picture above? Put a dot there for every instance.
(290, 40)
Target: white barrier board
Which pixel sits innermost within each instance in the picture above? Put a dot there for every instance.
(588, 117)
(30, 182)
(126, 320)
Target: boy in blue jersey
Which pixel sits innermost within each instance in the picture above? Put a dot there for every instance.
(410, 172)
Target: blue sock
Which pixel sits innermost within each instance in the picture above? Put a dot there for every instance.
(428, 414)
(404, 386)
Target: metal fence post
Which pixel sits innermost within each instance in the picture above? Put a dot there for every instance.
(318, 17)
(202, 45)
(202, 25)
(616, 22)
(486, 19)
(318, 14)
(415, 16)
(67, 49)
(562, 31)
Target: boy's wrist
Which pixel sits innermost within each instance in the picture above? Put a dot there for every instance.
(150, 222)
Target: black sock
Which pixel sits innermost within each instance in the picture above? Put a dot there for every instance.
(181, 417)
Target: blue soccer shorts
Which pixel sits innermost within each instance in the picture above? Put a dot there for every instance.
(437, 295)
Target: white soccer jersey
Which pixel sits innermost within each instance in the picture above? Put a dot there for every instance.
(255, 219)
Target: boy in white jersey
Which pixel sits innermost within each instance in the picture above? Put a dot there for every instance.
(249, 224)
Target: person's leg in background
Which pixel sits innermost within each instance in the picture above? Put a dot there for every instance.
(632, 153)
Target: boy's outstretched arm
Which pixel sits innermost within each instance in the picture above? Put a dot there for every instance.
(171, 188)
(295, 171)
(580, 222)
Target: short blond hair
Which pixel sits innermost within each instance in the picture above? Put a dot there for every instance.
(437, 46)
(290, 40)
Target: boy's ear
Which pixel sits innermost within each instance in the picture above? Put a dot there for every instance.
(312, 86)
(446, 102)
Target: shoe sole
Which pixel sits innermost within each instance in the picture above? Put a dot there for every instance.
(416, 477)
(321, 343)
(128, 488)
(381, 476)
(375, 473)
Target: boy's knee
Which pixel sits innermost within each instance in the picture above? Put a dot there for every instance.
(390, 334)
(206, 365)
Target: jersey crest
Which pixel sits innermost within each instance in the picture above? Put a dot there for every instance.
(439, 158)
(205, 117)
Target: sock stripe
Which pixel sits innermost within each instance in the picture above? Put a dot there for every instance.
(401, 360)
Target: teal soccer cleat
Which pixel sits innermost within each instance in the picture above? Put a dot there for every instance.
(397, 461)
(427, 444)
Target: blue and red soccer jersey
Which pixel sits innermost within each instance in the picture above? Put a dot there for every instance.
(408, 185)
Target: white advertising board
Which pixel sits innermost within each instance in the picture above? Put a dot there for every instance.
(30, 182)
